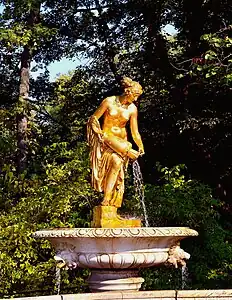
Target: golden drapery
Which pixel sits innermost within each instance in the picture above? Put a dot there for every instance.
(101, 160)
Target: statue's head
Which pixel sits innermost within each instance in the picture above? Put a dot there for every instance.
(132, 89)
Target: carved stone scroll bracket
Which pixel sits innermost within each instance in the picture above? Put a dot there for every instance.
(177, 256)
(66, 259)
(60, 263)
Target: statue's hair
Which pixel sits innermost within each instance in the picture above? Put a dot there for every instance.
(131, 84)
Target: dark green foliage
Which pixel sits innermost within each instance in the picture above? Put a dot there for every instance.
(60, 197)
(180, 202)
(54, 191)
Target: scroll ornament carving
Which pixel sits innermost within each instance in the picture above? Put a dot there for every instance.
(177, 256)
(117, 232)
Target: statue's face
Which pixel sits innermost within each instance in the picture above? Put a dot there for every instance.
(131, 95)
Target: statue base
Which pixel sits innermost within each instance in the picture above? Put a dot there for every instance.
(106, 217)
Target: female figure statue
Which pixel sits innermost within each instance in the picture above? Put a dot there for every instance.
(110, 150)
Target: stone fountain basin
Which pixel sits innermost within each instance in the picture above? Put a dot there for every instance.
(115, 248)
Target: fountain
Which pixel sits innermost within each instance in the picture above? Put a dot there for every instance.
(115, 255)
(114, 249)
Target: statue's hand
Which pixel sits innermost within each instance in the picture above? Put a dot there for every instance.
(101, 137)
(97, 129)
(141, 151)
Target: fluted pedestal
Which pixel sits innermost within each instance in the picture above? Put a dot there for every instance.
(114, 280)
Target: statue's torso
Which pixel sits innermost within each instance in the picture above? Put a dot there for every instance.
(115, 118)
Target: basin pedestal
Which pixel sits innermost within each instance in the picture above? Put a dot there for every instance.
(114, 280)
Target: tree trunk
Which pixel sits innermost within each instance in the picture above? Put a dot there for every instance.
(22, 116)
(22, 119)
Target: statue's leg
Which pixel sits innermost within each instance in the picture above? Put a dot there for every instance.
(116, 163)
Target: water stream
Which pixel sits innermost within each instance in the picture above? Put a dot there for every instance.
(184, 277)
(58, 280)
(139, 188)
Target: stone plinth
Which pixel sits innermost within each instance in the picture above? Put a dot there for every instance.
(205, 295)
(149, 295)
(107, 217)
(156, 295)
(114, 255)
(145, 295)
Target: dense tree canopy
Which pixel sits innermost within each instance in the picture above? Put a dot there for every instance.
(185, 119)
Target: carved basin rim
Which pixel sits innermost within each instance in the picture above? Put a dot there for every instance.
(140, 232)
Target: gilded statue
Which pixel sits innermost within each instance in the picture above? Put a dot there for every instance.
(110, 150)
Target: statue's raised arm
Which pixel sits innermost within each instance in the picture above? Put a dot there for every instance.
(109, 147)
